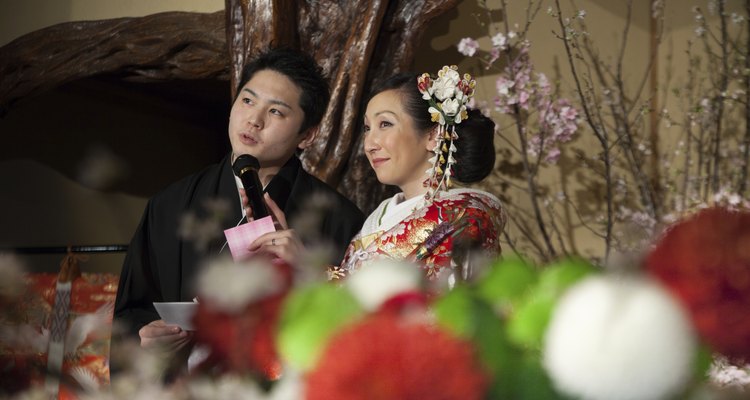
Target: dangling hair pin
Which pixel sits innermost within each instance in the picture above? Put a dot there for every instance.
(447, 96)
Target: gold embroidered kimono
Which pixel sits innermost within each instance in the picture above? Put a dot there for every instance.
(425, 232)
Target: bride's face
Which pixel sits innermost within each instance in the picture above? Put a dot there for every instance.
(396, 151)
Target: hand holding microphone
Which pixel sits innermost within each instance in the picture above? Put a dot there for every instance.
(284, 242)
(246, 168)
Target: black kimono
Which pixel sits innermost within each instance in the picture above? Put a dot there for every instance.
(160, 266)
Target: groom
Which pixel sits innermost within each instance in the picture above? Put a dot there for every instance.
(281, 100)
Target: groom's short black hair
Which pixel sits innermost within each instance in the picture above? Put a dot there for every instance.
(303, 71)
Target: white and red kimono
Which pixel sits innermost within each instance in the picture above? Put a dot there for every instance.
(424, 232)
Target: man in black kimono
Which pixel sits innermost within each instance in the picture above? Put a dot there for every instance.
(280, 102)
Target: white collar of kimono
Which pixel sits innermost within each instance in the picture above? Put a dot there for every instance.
(394, 210)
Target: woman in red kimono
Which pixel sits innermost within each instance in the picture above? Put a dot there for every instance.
(420, 136)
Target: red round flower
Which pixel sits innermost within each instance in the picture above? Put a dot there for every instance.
(241, 342)
(244, 341)
(383, 357)
(705, 261)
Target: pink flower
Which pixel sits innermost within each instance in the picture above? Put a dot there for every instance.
(499, 41)
(494, 55)
(504, 85)
(468, 46)
(552, 155)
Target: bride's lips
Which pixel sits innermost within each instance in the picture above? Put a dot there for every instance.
(376, 162)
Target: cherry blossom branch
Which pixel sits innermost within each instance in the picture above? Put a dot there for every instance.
(746, 153)
(530, 177)
(723, 84)
(597, 133)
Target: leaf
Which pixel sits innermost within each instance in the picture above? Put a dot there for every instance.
(528, 323)
(310, 316)
(558, 277)
(506, 283)
(471, 318)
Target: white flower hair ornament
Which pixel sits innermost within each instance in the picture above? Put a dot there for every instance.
(447, 96)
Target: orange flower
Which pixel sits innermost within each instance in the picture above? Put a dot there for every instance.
(705, 261)
(384, 357)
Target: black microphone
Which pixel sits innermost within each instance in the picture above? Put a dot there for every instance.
(246, 168)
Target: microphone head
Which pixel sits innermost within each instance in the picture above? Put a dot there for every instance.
(243, 162)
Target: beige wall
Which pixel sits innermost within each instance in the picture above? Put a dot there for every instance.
(605, 21)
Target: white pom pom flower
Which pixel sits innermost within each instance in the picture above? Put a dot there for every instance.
(230, 286)
(619, 339)
(376, 282)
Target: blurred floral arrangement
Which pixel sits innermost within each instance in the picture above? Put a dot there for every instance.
(671, 322)
(607, 149)
(646, 329)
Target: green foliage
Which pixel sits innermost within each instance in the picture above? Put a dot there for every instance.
(506, 283)
(310, 316)
(468, 316)
(526, 326)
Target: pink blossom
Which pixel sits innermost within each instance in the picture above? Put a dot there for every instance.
(552, 155)
(494, 55)
(504, 85)
(535, 145)
(543, 84)
(468, 46)
(568, 112)
(499, 41)
(523, 99)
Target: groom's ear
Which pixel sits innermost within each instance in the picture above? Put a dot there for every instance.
(308, 138)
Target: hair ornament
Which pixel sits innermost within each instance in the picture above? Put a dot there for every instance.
(447, 96)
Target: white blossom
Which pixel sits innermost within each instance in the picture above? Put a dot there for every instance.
(724, 374)
(376, 282)
(499, 40)
(468, 46)
(619, 339)
(450, 107)
(444, 88)
(231, 286)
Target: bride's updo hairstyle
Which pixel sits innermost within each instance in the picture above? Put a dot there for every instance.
(475, 154)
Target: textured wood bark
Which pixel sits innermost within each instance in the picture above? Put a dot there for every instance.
(397, 37)
(173, 45)
(252, 25)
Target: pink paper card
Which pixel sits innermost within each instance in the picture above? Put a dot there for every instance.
(241, 237)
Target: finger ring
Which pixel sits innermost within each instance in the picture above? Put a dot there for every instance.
(273, 242)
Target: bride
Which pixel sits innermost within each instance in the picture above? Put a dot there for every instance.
(420, 137)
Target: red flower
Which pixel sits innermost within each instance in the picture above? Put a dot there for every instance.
(705, 261)
(241, 342)
(244, 341)
(383, 357)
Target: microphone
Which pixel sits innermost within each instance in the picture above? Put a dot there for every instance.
(246, 168)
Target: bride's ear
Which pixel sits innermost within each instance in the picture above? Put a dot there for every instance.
(432, 140)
